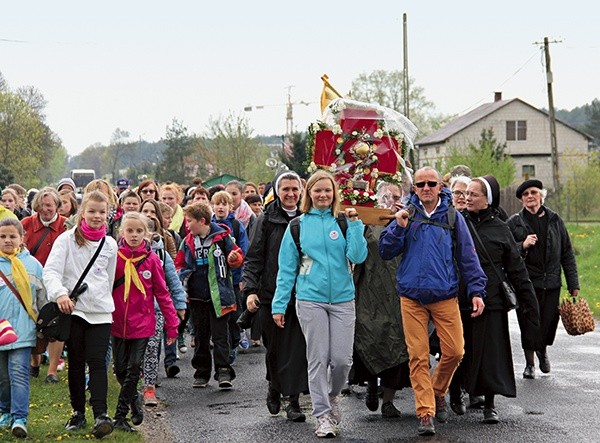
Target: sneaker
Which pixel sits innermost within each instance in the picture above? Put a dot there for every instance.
(273, 401)
(200, 383)
(388, 410)
(181, 344)
(5, 420)
(102, 426)
(137, 411)
(76, 422)
(123, 425)
(172, 371)
(244, 342)
(34, 371)
(325, 427)
(61, 365)
(150, 397)
(441, 409)
(19, 428)
(51, 378)
(232, 356)
(426, 426)
(224, 378)
(294, 413)
(335, 415)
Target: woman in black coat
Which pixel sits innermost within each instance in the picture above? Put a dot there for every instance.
(488, 352)
(545, 246)
(287, 371)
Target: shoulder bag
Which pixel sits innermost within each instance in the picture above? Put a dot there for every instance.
(510, 296)
(52, 323)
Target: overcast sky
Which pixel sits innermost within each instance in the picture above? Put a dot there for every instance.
(137, 65)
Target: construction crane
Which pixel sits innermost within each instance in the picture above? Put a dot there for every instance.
(289, 111)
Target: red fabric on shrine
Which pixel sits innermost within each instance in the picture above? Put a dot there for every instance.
(359, 120)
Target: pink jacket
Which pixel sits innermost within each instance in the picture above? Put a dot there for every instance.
(135, 317)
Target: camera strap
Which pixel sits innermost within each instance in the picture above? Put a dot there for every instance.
(86, 270)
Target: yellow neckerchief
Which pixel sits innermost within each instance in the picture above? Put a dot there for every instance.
(131, 274)
(21, 278)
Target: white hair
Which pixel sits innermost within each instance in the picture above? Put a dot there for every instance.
(459, 179)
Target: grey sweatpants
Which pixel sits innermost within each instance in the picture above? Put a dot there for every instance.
(329, 333)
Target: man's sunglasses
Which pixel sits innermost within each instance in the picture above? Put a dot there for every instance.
(422, 184)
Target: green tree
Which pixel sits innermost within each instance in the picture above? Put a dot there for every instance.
(296, 161)
(386, 88)
(176, 164)
(593, 125)
(21, 138)
(230, 139)
(118, 154)
(488, 157)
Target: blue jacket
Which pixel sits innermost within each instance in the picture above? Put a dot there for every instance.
(242, 242)
(173, 283)
(427, 271)
(12, 309)
(324, 274)
(219, 272)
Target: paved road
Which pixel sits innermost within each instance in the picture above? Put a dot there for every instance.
(563, 406)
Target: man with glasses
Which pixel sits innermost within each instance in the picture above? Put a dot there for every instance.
(433, 253)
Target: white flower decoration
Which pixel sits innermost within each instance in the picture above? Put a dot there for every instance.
(337, 129)
(378, 133)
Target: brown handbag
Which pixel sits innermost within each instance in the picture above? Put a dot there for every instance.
(576, 316)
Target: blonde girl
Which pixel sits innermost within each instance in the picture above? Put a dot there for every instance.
(140, 282)
(91, 316)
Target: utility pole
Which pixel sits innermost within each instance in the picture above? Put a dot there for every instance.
(553, 142)
(405, 71)
(289, 114)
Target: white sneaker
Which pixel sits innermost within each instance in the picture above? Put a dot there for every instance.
(325, 427)
(335, 414)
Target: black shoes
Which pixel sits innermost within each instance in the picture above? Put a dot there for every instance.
(476, 401)
(34, 371)
(137, 411)
(102, 426)
(529, 372)
(294, 413)
(76, 422)
(490, 416)
(122, 424)
(457, 404)
(441, 409)
(224, 378)
(172, 371)
(544, 361)
(273, 401)
(388, 410)
(426, 426)
(372, 397)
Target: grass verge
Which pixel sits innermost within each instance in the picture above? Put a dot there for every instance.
(586, 243)
(50, 409)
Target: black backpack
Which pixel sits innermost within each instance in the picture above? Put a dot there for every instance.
(295, 229)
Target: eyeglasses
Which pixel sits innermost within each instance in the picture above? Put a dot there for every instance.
(431, 184)
(148, 191)
(458, 194)
(528, 193)
(473, 194)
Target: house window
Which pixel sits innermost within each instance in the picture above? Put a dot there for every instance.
(516, 130)
(528, 171)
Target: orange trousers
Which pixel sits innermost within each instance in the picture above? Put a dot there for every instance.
(446, 318)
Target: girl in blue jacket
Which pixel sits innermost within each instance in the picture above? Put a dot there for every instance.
(324, 292)
(24, 273)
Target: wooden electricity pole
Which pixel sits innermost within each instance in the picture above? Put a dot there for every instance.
(405, 75)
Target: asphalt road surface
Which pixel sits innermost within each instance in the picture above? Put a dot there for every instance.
(562, 406)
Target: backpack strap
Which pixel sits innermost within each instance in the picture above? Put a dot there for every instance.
(235, 224)
(295, 231)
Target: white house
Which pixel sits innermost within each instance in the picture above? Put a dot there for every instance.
(524, 128)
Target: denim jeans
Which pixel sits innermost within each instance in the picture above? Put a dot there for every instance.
(14, 382)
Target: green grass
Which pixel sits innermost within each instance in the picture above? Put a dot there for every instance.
(50, 409)
(586, 243)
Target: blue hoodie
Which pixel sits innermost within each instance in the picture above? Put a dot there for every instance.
(323, 275)
(427, 271)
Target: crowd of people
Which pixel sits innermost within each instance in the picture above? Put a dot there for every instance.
(150, 263)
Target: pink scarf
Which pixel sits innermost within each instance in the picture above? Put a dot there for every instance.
(243, 213)
(91, 233)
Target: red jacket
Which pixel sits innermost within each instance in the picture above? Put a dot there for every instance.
(34, 229)
(135, 317)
